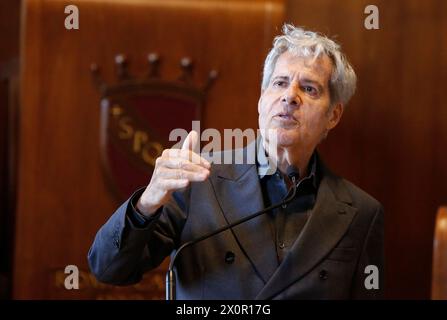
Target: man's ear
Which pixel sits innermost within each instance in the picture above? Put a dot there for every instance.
(335, 115)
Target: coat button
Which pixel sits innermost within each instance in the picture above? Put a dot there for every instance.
(282, 245)
(229, 257)
(323, 275)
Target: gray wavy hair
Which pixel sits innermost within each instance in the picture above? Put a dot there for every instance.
(312, 44)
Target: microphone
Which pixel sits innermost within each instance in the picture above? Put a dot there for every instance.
(292, 173)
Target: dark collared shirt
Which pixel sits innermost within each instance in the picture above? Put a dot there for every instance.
(287, 223)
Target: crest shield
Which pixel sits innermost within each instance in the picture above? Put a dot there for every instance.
(137, 118)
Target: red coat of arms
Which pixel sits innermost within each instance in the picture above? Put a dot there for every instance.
(137, 116)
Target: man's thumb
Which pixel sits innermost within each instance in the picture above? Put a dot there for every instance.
(191, 141)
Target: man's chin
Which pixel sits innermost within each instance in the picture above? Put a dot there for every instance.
(286, 139)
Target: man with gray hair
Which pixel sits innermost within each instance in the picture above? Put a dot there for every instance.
(326, 243)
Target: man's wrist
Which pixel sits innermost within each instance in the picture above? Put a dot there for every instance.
(145, 209)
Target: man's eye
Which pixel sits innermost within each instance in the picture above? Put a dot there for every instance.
(279, 83)
(310, 90)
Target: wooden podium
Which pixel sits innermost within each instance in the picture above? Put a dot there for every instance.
(63, 196)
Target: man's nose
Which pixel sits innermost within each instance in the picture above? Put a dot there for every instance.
(291, 96)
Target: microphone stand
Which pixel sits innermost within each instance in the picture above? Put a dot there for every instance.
(171, 274)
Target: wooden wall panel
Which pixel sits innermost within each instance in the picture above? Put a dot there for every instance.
(9, 54)
(392, 141)
(9, 29)
(63, 197)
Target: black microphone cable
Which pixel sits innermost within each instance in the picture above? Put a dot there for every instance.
(292, 173)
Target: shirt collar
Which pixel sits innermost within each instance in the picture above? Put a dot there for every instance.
(268, 168)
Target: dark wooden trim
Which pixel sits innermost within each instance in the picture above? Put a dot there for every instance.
(9, 73)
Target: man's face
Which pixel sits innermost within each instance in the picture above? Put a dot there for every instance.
(297, 101)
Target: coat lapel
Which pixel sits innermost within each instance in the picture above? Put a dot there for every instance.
(328, 222)
(239, 194)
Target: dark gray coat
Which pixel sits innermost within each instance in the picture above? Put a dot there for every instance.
(343, 235)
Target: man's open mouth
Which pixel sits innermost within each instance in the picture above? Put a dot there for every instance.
(285, 116)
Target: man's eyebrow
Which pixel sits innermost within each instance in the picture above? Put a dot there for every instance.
(280, 77)
(315, 82)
